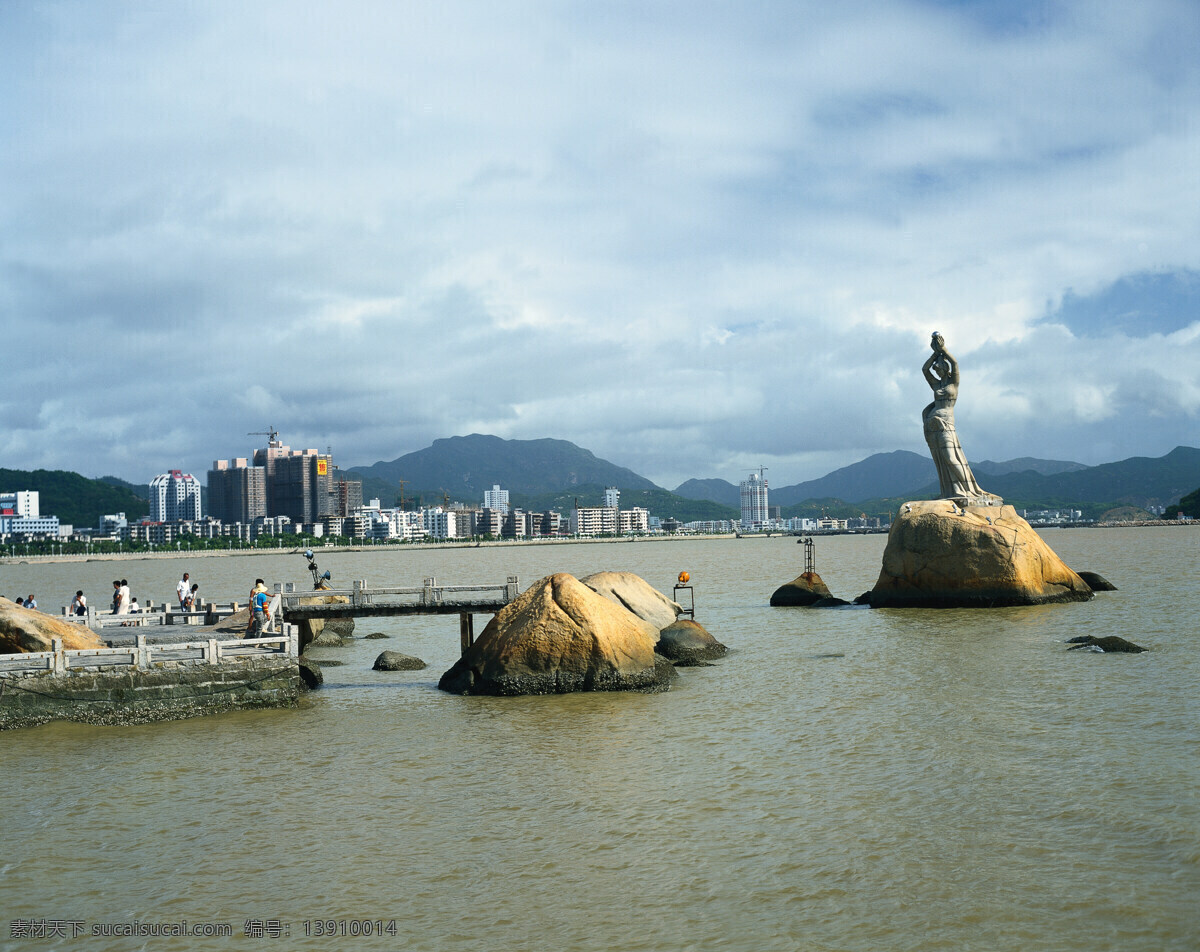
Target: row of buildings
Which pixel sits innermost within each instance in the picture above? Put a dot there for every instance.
(280, 491)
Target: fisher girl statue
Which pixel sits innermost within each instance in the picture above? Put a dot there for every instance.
(955, 478)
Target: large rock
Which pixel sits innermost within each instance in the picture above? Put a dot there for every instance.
(635, 594)
(24, 630)
(940, 555)
(687, 643)
(805, 589)
(560, 636)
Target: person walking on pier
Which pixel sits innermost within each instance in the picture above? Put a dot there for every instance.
(181, 591)
(120, 597)
(260, 613)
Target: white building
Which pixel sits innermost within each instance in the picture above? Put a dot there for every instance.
(23, 504)
(174, 497)
(612, 497)
(440, 523)
(754, 501)
(496, 499)
(595, 520)
(634, 520)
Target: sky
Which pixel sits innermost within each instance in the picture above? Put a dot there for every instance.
(694, 238)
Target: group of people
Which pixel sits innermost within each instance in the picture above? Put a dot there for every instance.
(187, 593)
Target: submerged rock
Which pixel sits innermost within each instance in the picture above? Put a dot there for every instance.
(377, 635)
(560, 636)
(830, 601)
(941, 555)
(395, 661)
(635, 594)
(803, 590)
(310, 673)
(687, 644)
(1108, 644)
(1097, 582)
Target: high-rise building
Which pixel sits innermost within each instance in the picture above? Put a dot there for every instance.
(174, 496)
(754, 500)
(612, 497)
(496, 498)
(237, 492)
(301, 487)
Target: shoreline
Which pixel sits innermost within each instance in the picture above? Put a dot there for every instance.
(502, 543)
(387, 547)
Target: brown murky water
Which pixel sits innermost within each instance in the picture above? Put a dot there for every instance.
(843, 780)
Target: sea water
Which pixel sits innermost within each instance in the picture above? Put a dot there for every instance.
(845, 779)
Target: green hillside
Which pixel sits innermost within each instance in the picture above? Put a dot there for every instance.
(465, 466)
(75, 499)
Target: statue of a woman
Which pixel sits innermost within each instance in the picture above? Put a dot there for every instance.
(954, 472)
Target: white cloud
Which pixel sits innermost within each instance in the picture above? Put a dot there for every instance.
(682, 236)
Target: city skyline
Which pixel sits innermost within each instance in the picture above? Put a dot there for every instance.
(691, 239)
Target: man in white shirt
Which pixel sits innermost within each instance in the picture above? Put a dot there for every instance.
(182, 589)
(123, 598)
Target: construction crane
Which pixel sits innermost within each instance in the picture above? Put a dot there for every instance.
(403, 483)
(270, 432)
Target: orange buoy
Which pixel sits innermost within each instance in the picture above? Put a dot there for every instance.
(684, 578)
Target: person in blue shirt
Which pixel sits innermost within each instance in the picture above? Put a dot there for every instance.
(260, 613)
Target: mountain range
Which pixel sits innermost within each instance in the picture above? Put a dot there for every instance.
(538, 473)
(554, 474)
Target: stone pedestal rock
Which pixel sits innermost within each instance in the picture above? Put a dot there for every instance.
(941, 555)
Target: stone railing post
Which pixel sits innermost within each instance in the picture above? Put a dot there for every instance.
(427, 591)
(60, 659)
(512, 589)
(143, 653)
(211, 653)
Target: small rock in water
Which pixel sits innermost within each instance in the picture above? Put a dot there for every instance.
(1108, 645)
(1097, 582)
(395, 661)
(377, 635)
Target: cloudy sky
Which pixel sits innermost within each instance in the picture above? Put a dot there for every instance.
(694, 238)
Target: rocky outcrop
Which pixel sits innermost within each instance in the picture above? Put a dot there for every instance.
(941, 555)
(25, 630)
(1097, 582)
(687, 644)
(803, 590)
(635, 594)
(312, 629)
(324, 639)
(395, 661)
(559, 636)
(342, 627)
(377, 636)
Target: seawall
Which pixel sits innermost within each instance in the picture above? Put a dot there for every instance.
(169, 691)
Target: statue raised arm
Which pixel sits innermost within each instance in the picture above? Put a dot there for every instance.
(955, 479)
